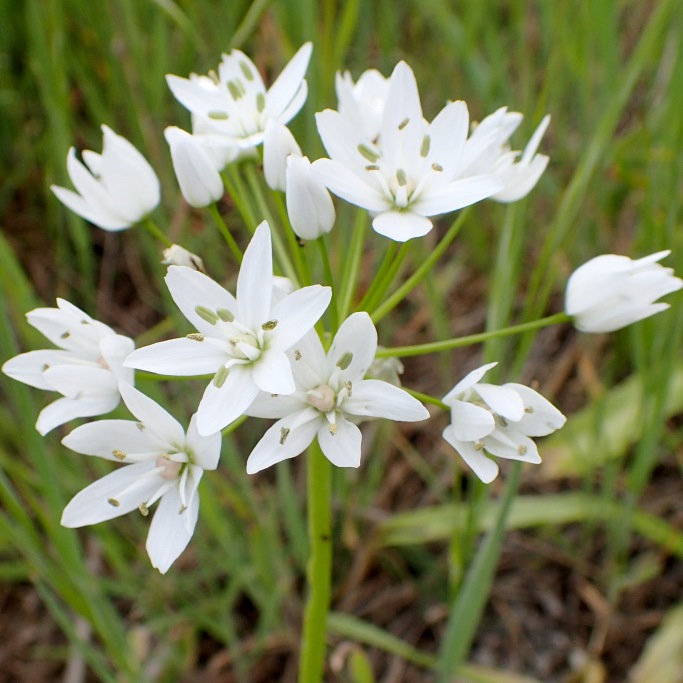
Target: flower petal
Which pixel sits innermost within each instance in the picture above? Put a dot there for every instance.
(468, 381)
(541, 417)
(350, 186)
(485, 468)
(503, 401)
(435, 200)
(205, 450)
(401, 226)
(341, 446)
(30, 367)
(178, 357)
(106, 437)
(353, 347)
(65, 409)
(470, 422)
(375, 398)
(296, 315)
(273, 373)
(255, 280)
(286, 85)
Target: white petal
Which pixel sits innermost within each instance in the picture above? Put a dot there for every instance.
(286, 85)
(277, 406)
(448, 132)
(278, 144)
(178, 357)
(401, 226)
(273, 373)
(513, 445)
(485, 468)
(97, 216)
(115, 348)
(296, 314)
(541, 417)
(345, 183)
(341, 446)
(221, 406)
(342, 141)
(91, 505)
(435, 200)
(104, 437)
(375, 398)
(309, 205)
(354, 347)
(205, 450)
(190, 288)
(65, 409)
(470, 422)
(155, 419)
(30, 367)
(171, 531)
(277, 445)
(255, 280)
(468, 381)
(504, 401)
(81, 381)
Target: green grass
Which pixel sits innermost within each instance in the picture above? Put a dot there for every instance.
(608, 73)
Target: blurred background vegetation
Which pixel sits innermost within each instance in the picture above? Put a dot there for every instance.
(589, 584)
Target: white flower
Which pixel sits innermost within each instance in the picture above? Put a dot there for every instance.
(197, 174)
(161, 462)
(498, 420)
(86, 368)
(487, 151)
(278, 144)
(610, 292)
(309, 205)
(330, 396)
(235, 104)
(115, 189)
(176, 255)
(362, 103)
(412, 172)
(241, 341)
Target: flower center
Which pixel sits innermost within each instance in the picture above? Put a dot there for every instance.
(322, 398)
(171, 469)
(246, 346)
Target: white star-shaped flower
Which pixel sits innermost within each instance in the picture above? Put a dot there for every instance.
(85, 369)
(241, 341)
(331, 395)
(235, 105)
(498, 420)
(411, 172)
(161, 463)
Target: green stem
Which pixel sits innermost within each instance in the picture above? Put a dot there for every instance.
(296, 247)
(329, 279)
(389, 276)
(467, 608)
(236, 251)
(380, 275)
(426, 398)
(420, 273)
(352, 267)
(319, 573)
(235, 187)
(155, 231)
(435, 347)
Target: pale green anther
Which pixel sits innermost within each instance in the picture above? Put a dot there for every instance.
(144, 510)
(270, 325)
(479, 446)
(372, 167)
(426, 142)
(182, 509)
(65, 335)
(437, 167)
(333, 429)
(45, 367)
(220, 377)
(501, 421)
(260, 102)
(113, 502)
(225, 315)
(240, 87)
(234, 90)
(206, 314)
(528, 409)
(195, 336)
(218, 115)
(401, 177)
(368, 153)
(284, 433)
(403, 123)
(140, 426)
(119, 455)
(246, 71)
(85, 322)
(345, 360)
(521, 450)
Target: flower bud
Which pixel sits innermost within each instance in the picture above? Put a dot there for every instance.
(199, 180)
(309, 205)
(176, 255)
(278, 144)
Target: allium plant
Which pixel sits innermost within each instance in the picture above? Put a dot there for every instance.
(286, 347)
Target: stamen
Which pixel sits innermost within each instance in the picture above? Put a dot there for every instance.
(220, 376)
(46, 367)
(218, 115)
(246, 71)
(182, 509)
(345, 361)
(144, 510)
(297, 355)
(270, 325)
(437, 167)
(260, 102)
(372, 167)
(284, 433)
(65, 335)
(140, 426)
(479, 445)
(403, 123)
(501, 421)
(528, 409)
(120, 455)
(234, 90)
(348, 387)
(333, 429)
(195, 336)
(113, 502)
(521, 450)
(225, 315)
(426, 142)
(401, 177)
(85, 322)
(367, 153)
(206, 314)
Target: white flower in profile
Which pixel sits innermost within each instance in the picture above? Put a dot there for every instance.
(115, 189)
(610, 292)
(85, 369)
(362, 103)
(411, 174)
(487, 151)
(309, 205)
(176, 255)
(278, 145)
(197, 174)
(241, 341)
(161, 463)
(498, 420)
(235, 104)
(331, 395)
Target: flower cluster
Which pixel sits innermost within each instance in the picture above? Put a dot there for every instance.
(273, 350)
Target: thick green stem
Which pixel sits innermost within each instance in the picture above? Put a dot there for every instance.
(435, 347)
(236, 251)
(319, 574)
(324, 254)
(381, 274)
(352, 266)
(155, 231)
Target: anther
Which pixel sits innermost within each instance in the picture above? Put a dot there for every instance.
(479, 446)
(182, 509)
(218, 115)
(348, 387)
(206, 314)
(437, 167)
(403, 123)
(367, 153)
(144, 511)
(220, 376)
(246, 71)
(234, 90)
(401, 177)
(284, 433)
(65, 335)
(345, 361)
(270, 325)
(260, 102)
(119, 455)
(521, 450)
(333, 429)
(195, 336)
(140, 426)
(297, 355)
(225, 315)
(426, 142)
(113, 502)
(528, 409)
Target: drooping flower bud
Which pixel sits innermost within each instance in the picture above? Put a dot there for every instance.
(309, 205)
(278, 144)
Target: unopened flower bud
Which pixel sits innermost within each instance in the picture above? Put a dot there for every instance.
(176, 255)
(278, 144)
(309, 205)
